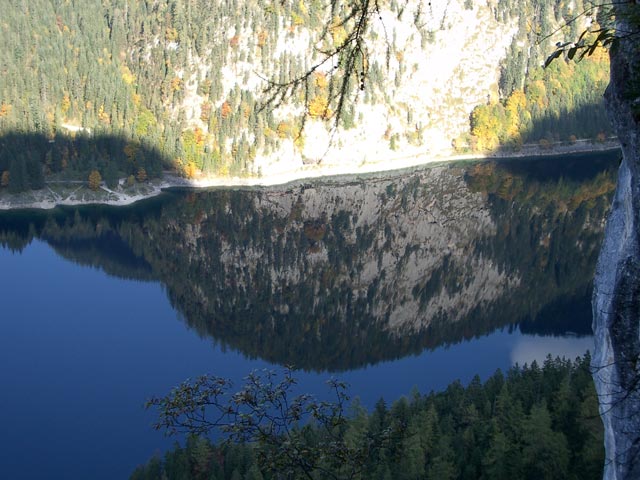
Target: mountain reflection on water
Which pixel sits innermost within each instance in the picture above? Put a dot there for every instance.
(333, 275)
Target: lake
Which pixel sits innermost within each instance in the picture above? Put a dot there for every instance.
(388, 282)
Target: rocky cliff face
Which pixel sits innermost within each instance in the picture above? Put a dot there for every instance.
(616, 299)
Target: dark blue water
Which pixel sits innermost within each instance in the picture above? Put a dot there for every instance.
(228, 281)
(81, 351)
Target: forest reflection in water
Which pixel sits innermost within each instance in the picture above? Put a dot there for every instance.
(337, 274)
(369, 278)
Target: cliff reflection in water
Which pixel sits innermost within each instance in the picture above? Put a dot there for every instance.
(335, 275)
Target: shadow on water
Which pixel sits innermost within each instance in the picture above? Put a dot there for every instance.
(576, 167)
(330, 276)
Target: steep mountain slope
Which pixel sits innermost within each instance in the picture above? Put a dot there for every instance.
(188, 78)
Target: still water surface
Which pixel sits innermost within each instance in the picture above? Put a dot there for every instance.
(189, 291)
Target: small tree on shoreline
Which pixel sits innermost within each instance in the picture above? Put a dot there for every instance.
(95, 179)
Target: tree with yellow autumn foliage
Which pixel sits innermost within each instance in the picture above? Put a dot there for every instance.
(319, 108)
(95, 179)
(141, 175)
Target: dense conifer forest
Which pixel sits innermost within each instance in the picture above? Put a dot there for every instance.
(532, 422)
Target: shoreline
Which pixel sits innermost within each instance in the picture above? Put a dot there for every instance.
(76, 193)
